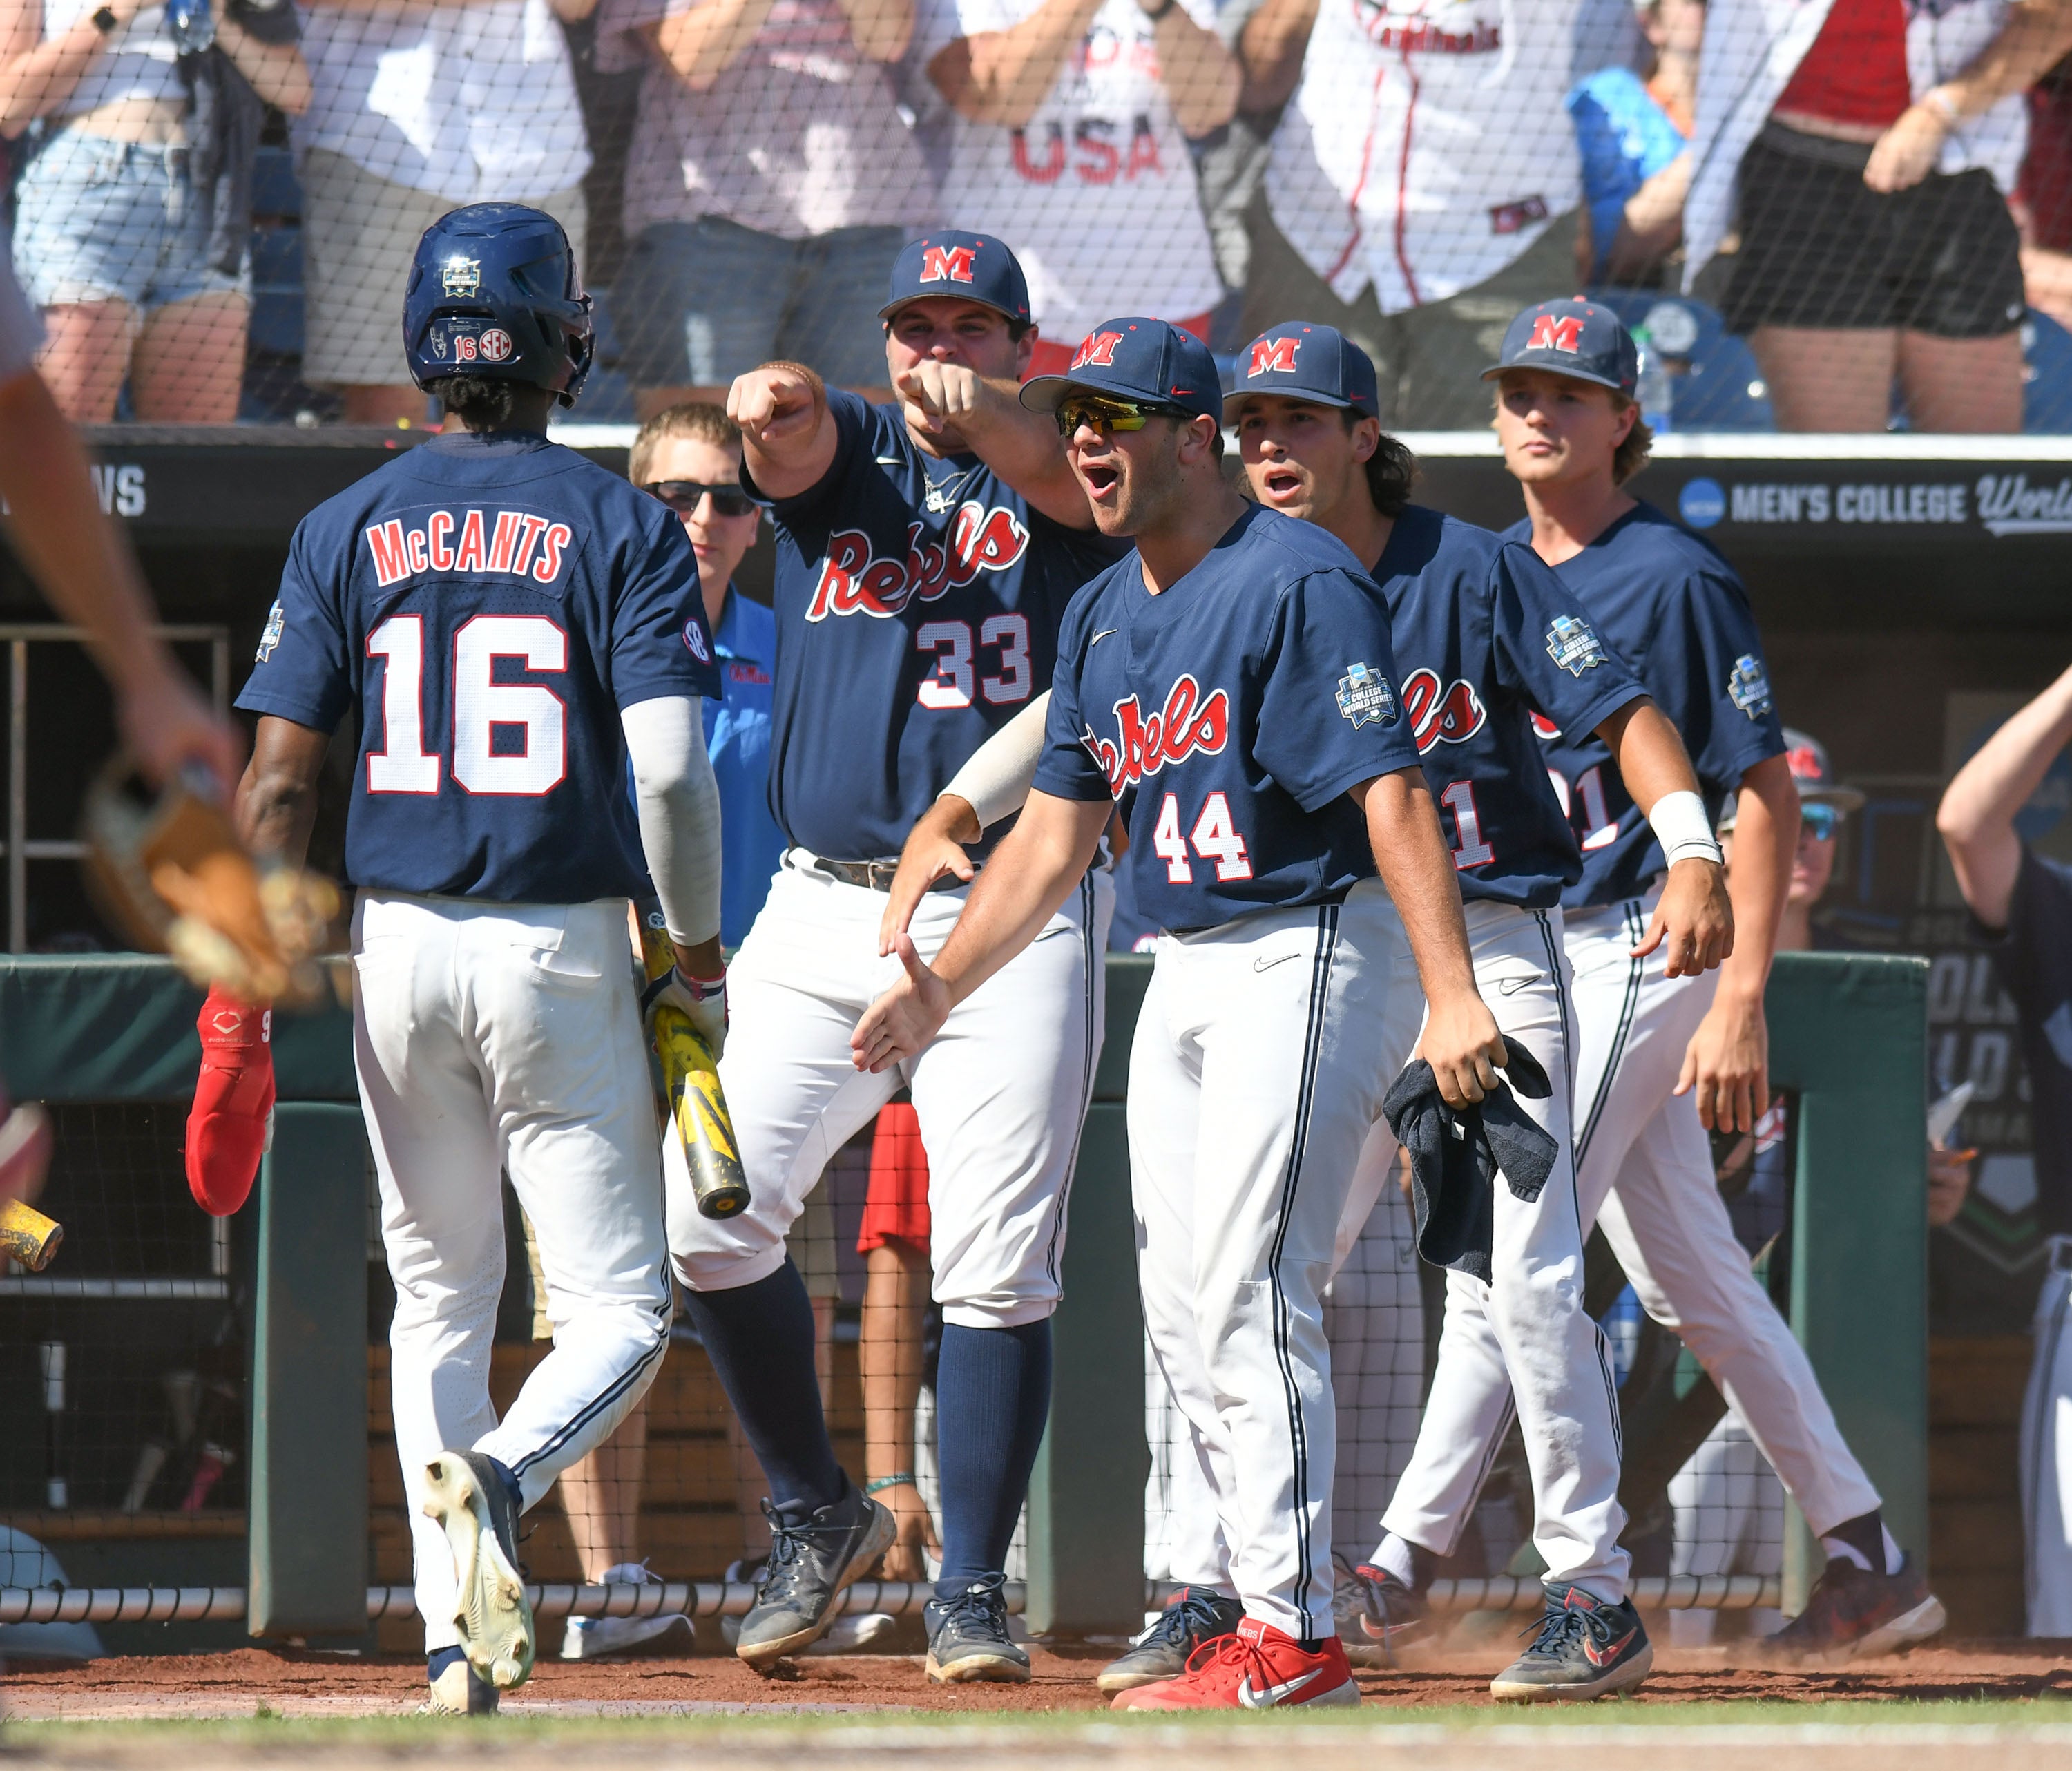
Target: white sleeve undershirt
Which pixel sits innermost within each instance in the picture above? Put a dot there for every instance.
(996, 776)
(678, 801)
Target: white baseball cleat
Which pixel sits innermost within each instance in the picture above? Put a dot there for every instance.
(468, 1497)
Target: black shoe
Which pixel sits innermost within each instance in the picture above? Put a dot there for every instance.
(968, 1637)
(1852, 1612)
(466, 1493)
(1378, 1616)
(1585, 1649)
(809, 1564)
(1196, 1615)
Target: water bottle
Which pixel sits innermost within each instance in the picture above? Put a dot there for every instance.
(1656, 391)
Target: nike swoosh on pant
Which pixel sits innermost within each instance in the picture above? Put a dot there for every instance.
(1264, 964)
(1511, 987)
(1251, 1698)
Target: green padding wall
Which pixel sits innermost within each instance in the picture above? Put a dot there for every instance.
(121, 1027)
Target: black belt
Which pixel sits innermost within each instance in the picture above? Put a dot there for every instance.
(875, 876)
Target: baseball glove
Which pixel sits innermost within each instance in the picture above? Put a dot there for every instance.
(168, 870)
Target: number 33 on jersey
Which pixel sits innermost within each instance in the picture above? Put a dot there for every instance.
(489, 606)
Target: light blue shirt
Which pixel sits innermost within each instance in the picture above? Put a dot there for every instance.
(737, 739)
(1624, 139)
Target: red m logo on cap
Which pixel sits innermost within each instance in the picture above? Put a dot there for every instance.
(1097, 347)
(947, 264)
(1272, 356)
(1550, 334)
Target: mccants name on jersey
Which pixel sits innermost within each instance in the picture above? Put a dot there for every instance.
(516, 544)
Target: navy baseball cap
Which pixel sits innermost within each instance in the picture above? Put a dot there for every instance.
(1137, 359)
(966, 267)
(1307, 361)
(1574, 338)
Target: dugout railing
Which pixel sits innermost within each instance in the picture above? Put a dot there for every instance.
(1848, 1036)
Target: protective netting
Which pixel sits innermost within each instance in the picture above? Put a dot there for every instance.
(1836, 216)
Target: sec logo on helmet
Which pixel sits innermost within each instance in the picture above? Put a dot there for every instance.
(496, 346)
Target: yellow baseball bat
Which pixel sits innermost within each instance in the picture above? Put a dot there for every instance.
(690, 1087)
(26, 1236)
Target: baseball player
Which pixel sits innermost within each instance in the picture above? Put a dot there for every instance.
(1660, 1058)
(926, 553)
(2023, 900)
(1234, 680)
(509, 625)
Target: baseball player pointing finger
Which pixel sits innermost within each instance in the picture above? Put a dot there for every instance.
(1236, 674)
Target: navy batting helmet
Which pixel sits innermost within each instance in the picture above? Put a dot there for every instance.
(494, 292)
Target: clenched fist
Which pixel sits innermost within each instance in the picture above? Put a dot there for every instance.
(940, 396)
(774, 404)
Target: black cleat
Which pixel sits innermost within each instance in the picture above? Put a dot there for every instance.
(1851, 1612)
(1585, 1649)
(810, 1563)
(1378, 1616)
(967, 1639)
(1196, 1615)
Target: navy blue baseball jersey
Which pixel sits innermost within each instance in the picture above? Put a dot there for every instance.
(1241, 703)
(1670, 607)
(487, 604)
(918, 602)
(1486, 634)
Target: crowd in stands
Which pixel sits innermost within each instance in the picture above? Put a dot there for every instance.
(1873, 197)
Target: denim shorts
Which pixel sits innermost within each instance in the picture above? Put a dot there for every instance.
(700, 302)
(98, 220)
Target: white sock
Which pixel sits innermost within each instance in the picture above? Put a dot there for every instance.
(1895, 1556)
(1393, 1557)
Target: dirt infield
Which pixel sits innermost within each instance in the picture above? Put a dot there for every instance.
(291, 1683)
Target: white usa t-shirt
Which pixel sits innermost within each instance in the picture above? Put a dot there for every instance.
(1428, 145)
(1097, 195)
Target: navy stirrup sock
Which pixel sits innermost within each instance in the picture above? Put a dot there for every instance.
(992, 1397)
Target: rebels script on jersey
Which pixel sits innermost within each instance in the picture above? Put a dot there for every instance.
(1669, 607)
(1486, 634)
(1240, 703)
(918, 603)
(489, 605)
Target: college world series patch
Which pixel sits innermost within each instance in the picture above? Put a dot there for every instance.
(1749, 685)
(277, 622)
(1365, 697)
(1572, 646)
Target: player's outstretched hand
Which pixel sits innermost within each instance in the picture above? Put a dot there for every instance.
(168, 726)
(939, 396)
(900, 1024)
(774, 404)
(935, 847)
(1694, 921)
(1461, 1044)
(1727, 1063)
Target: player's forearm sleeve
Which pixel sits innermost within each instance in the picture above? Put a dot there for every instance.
(996, 776)
(678, 802)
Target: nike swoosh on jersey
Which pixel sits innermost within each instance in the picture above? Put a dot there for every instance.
(1251, 1698)
(889, 461)
(1596, 1656)
(1099, 637)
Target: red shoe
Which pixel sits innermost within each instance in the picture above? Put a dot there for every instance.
(1258, 1668)
(231, 1122)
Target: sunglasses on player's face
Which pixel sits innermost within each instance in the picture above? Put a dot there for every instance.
(1819, 822)
(1104, 413)
(683, 496)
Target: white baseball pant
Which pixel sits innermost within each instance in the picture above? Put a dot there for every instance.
(1262, 1053)
(1644, 1172)
(1001, 1092)
(2046, 1452)
(1374, 1319)
(1525, 1335)
(495, 1038)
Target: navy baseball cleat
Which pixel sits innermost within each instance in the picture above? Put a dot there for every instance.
(1196, 1615)
(1852, 1612)
(1378, 1616)
(810, 1562)
(1585, 1649)
(967, 1638)
(470, 1495)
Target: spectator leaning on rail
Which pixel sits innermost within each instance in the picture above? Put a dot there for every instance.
(1422, 184)
(421, 107)
(769, 185)
(1064, 129)
(1867, 146)
(132, 219)
(2023, 903)
(1634, 133)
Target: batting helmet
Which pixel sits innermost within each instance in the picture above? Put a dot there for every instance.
(494, 292)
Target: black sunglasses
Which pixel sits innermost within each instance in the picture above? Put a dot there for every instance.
(683, 496)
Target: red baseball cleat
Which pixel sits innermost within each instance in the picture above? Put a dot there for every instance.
(231, 1122)
(1258, 1668)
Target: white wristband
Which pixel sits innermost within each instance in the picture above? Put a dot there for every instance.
(1681, 827)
